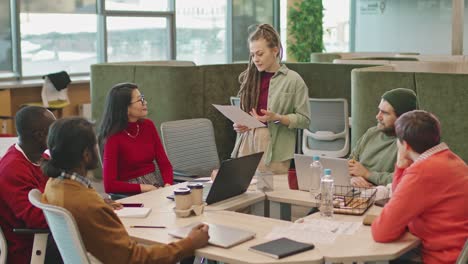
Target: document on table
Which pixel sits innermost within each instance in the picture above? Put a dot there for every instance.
(236, 115)
(315, 231)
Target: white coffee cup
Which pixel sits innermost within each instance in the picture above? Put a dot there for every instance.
(183, 198)
(197, 192)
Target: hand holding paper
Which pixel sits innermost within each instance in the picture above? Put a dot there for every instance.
(236, 115)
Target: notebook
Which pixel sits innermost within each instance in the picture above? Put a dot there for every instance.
(339, 168)
(133, 212)
(220, 235)
(281, 247)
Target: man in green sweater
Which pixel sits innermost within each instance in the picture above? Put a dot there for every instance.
(373, 158)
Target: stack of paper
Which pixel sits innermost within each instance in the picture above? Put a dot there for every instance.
(315, 231)
(133, 212)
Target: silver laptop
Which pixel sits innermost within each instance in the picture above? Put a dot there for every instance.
(220, 235)
(339, 168)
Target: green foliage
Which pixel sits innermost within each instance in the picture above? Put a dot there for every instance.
(305, 27)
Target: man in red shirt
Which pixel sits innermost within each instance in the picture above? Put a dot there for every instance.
(19, 173)
(430, 186)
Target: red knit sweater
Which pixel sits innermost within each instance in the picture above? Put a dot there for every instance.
(430, 199)
(17, 177)
(127, 158)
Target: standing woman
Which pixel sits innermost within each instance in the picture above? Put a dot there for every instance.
(276, 96)
(131, 144)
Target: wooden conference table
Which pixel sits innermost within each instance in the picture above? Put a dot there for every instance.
(358, 247)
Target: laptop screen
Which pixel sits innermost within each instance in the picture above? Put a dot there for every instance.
(234, 177)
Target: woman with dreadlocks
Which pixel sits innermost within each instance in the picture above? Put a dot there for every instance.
(274, 95)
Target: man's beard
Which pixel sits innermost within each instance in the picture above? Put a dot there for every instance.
(389, 131)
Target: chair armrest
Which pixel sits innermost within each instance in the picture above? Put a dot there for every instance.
(30, 231)
(324, 135)
(117, 196)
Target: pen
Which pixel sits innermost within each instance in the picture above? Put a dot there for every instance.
(138, 226)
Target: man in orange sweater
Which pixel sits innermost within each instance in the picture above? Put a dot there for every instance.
(429, 191)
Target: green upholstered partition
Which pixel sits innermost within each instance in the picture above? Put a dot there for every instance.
(221, 82)
(175, 93)
(367, 88)
(324, 57)
(327, 80)
(446, 95)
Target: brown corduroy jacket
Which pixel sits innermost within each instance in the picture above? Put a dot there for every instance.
(103, 234)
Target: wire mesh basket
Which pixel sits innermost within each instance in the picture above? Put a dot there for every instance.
(351, 200)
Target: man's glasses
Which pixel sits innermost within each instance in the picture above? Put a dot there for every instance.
(141, 100)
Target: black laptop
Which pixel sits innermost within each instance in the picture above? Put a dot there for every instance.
(234, 177)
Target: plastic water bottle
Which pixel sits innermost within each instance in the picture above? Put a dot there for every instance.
(316, 170)
(326, 190)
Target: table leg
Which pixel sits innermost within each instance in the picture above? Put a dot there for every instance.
(280, 211)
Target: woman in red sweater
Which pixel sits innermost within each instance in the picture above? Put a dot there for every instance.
(131, 144)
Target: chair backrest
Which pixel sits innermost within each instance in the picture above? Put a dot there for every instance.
(328, 132)
(3, 247)
(190, 145)
(235, 100)
(463, 257)
(5, 143)
(64, 230)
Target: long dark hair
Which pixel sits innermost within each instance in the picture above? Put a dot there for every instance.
(115, 116)
(250, 78)
(67, 140)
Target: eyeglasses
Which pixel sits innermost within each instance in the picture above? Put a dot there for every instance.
(141, 100)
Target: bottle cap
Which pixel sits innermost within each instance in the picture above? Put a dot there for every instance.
(315, 158)
(327, 171)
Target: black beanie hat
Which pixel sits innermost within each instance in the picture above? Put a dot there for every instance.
(402, 100)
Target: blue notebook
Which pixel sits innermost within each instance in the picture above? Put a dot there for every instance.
(281, 247)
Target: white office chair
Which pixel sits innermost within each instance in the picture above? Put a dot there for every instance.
(190, 146)
(235, 100)
(3, 248)
(328, 132)
(5, 143)
(463, 257)
(65, 232)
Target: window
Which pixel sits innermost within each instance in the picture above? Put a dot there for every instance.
(57, 37)
(423, 26)
(244, 14)
(137, 39)
(201, 31)
(336, 25)
(138, 5)
(6, 61)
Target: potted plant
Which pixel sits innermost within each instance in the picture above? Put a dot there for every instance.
(305, 29)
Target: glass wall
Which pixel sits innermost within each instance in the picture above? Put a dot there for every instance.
(137, 39)
(244, 14)
(57, 37)
(6, 62)
(201, 31)
(138, 5)
(423, 26)
(336, 25)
